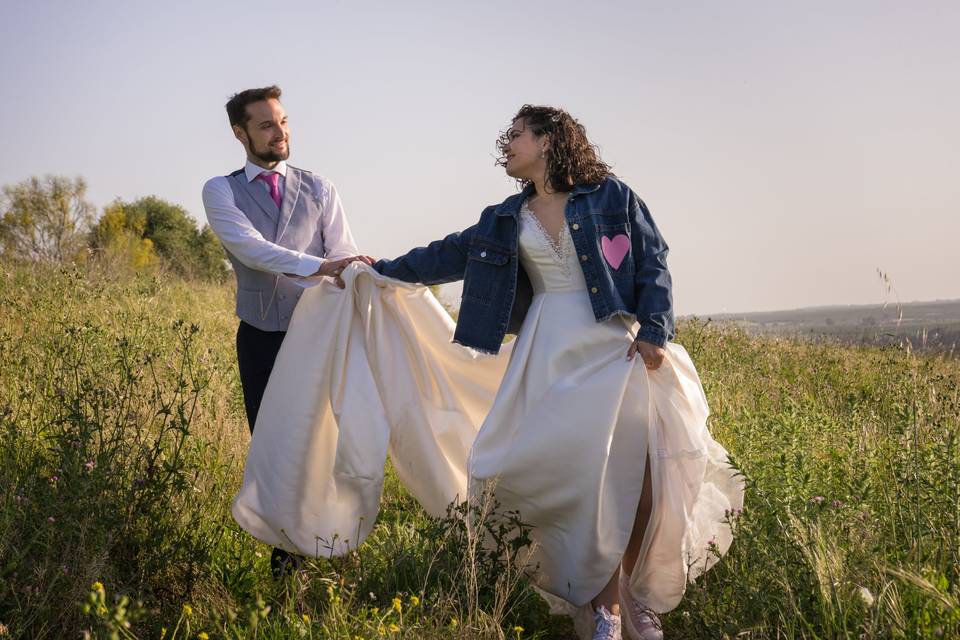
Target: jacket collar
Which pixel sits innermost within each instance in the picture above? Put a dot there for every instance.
(511, 206)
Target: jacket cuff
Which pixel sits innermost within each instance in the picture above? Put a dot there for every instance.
(653, 335)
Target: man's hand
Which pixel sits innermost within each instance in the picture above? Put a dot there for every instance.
(333, 268)
(651, 354)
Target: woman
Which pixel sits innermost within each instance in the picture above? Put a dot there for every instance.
(571, 264)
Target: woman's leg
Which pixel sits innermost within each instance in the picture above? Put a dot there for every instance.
(609, 597)
(640, 522)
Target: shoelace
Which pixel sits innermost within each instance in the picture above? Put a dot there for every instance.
(605, 624)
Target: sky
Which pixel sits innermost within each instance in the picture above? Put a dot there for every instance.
(788, 150)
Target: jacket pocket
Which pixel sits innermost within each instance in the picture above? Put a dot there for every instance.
(616, 247)
(486, 265)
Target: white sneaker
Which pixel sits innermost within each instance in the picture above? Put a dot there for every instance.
(641, 623)
(607, 625)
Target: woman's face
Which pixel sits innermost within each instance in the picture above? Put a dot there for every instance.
(524, 152)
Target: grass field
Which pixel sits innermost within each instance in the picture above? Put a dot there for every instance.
(122, 440)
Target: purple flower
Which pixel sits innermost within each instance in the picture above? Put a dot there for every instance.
(51, 519)
(836, 504)
(90, 464)
(817, 499)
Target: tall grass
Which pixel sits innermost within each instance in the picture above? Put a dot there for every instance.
(122, 440)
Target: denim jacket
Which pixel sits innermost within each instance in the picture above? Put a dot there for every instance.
(497, 291)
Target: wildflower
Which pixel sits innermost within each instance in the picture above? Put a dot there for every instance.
(372, 595)
(414, 600)
(381, 630)
(97, 586)
(866, 596)
(203, 636)
(305, 618)
(397, 605)
(394, 628)
(518, 630)
(817, 499)
(836, 504)
(3, 630)
(453, 623)
(90, 465)
(54, 479)
(187, 610)
(375, 611)
(330, 591)
(51, 519)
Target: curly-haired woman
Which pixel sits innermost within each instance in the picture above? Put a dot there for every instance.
(576, 267)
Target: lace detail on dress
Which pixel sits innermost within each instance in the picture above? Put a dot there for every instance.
(559, 250)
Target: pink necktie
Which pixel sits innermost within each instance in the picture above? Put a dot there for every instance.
(272, 178)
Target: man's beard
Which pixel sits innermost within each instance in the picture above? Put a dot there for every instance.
(268, 155)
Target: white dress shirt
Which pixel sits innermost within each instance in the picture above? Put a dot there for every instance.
(248, 245)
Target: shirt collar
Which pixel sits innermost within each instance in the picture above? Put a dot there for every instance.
(252, 171)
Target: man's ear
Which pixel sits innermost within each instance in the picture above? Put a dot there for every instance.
(240, 134)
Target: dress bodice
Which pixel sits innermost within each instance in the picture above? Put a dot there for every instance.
(550, 267)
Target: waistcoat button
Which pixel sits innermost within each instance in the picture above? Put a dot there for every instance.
(593, 289)
(483, 254)
(576, 226)
(583, 258)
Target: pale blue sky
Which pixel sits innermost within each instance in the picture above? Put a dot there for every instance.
(787, 150)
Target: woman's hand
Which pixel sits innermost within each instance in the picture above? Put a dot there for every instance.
(334, 268)
(651, 354)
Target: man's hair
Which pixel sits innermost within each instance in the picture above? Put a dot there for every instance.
(237, 105)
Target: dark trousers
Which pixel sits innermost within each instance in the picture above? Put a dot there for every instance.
(256, 352)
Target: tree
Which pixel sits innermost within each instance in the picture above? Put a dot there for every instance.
(45, 219)
(153, 226)
(118, 238)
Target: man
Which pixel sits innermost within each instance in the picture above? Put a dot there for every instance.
(283, 228)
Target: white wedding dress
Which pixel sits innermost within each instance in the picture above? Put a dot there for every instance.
(559, 420)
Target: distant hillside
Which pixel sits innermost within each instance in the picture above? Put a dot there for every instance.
(926, 326)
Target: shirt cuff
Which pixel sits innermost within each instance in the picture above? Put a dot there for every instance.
(308, 265)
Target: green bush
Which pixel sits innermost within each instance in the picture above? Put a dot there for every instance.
(121, 419)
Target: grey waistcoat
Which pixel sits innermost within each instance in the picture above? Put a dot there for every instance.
(265, 300)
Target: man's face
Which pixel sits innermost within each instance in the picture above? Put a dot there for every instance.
(266, 136)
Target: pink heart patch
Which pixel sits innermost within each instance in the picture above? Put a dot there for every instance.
(615, 249)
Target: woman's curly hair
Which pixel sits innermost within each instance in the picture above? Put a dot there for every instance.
(571, 159)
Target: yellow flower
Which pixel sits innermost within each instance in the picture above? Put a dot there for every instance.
(306, 618)
(453, 623)
(397, 605)
(187, 610)
(330, 591)
(203, 636)
(381, 630)
(97, 586)
(414, 600)
(518, 629)
(394, 628)
(375, 610)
